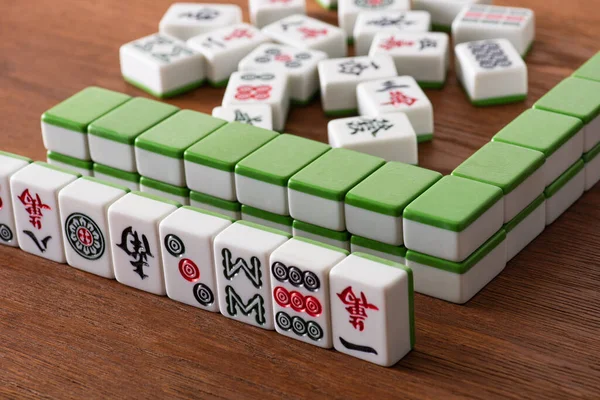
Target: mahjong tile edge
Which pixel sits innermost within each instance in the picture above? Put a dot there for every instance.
(533, 332)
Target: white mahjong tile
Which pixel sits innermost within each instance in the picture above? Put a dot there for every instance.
(34, 191)
(348, 10)
(299, 64)
(259, 115)
(401, 94)
(224, 48)
(370, 23)
(261, 87)
(304, 32)
(265, 12)
(161, 65)
(185, 20)
(443, 12)
(9, 165)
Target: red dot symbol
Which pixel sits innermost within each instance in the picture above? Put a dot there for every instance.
(85, 237)
(189, 270)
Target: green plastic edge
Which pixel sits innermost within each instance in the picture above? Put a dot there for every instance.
(164, 187)
(156, 198)
(16, 156)
(220, 84)
(411, 287)
(562, 180)
(317, 230)
(399, 251)
(264, 228)
(206, 212)
(512, 224)
(321, 244)
(75, 162)
(424, 138)
(260, 176)
(441, 28)
(463, 267)
(431, 85)
(325, 6)
(537, 106)
(593, 153)
(59, 169)
(592, 62)
(172, 93)
(117, 173)
(278, 219)
(342, 113)
(215, 201)
(105, 183)
(499, 100)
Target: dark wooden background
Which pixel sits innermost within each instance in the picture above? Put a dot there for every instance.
(534, 332)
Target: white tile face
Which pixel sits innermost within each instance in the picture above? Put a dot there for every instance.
(159, 167)
(261, 87)
(592, 173)
(211, 181)
(184, 200)
(8, 167)
(111, 179)
(185, 20)
(390, 136)
(113, 154)
(525, 232)
(242, 267)
(340, 77)
(479, 22)
(490, 69)
(299, 65)
(259, 115)
(161, 63)
(262, 195)
(345, 244)
(299, 273)
(401, 94)
(360, 249)
(375, 226)
(348, 10)
(65, 141)
(34, 191)
(523, 195)
(443, 12)
(369, 24)
(84, 219)
(563, 158)
(424, 56)
(317, 210)
(224, 48)
(265, 12)
(370, 310)
(135, 242)
(592, 134)
(304, 32)
(187, 251)
(565, 197)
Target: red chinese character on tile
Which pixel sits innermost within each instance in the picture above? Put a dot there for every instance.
(311, 33)
(33, 206)
(397, 98)
(283, 58)
(239, 34)
(392, 43)
(357, 307)
(247, 92)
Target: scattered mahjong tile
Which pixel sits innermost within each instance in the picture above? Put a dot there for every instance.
(458, 282)
(159, 150)
(259, 115)
(65, 126)
(374, 207)
(158, 188)
(9, 165)
(444, 12)
(130, 180)
(592, 167)
(112, 136)
(316, 193)
(323, 235)
(262, 217)
(83, 167)
(265, 12)
(579, 98)
(349, 10)
(262, 177)
(186, 20)
(231, 209)
(559, 137)
(590, 70)
(389, 252)
(564, 191)
(514, 169)
(525, 227)
(452, 218)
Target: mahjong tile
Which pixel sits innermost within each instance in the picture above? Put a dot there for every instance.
(564, 191)
(268, 219)
(590, 69)
(443, 12)
(9, 165)
(339, 239)
(230, 209)
(265, 12)
(175, 193)
(185, 20)
(130, 180)
(259, 115)
(348, 10)
(82, 167)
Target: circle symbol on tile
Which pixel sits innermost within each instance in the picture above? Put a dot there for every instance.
(295, 276)
(313, 306)
(299, 326)
(282, 296)
(203, 294)
(283, 321)
(311, 281)
(5, 233)
(174, 245)
(280, 271)
(85, 236)
(189, 270)
(315, 332)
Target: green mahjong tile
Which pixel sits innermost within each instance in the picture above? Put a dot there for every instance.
(539, 130)
(264, 228)
(333, 174)
(156, 198)
(206, 212)
(321, 244)
(18, 157)
(215, 201)
(593, 153)
(501, 164)
(398, 251)
(512, 224)
(319, 231)
(462, 267)
(391, 188)
(130, 120)
(172, 93)
(174, 135)
(165, 187)
(281, 158)
(227, 146)
(575, 97)
(79, 110)
(74, 162)
(116, 173)
(103, 182)
(590, 70)
(56, 168)
(562, 180)
(276, 218)
(453, 203)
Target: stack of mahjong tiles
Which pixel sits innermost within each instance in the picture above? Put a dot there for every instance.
(359, 304)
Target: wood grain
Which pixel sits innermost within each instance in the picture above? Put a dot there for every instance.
(532, 333)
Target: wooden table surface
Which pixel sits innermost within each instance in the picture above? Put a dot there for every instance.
(534, 332)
